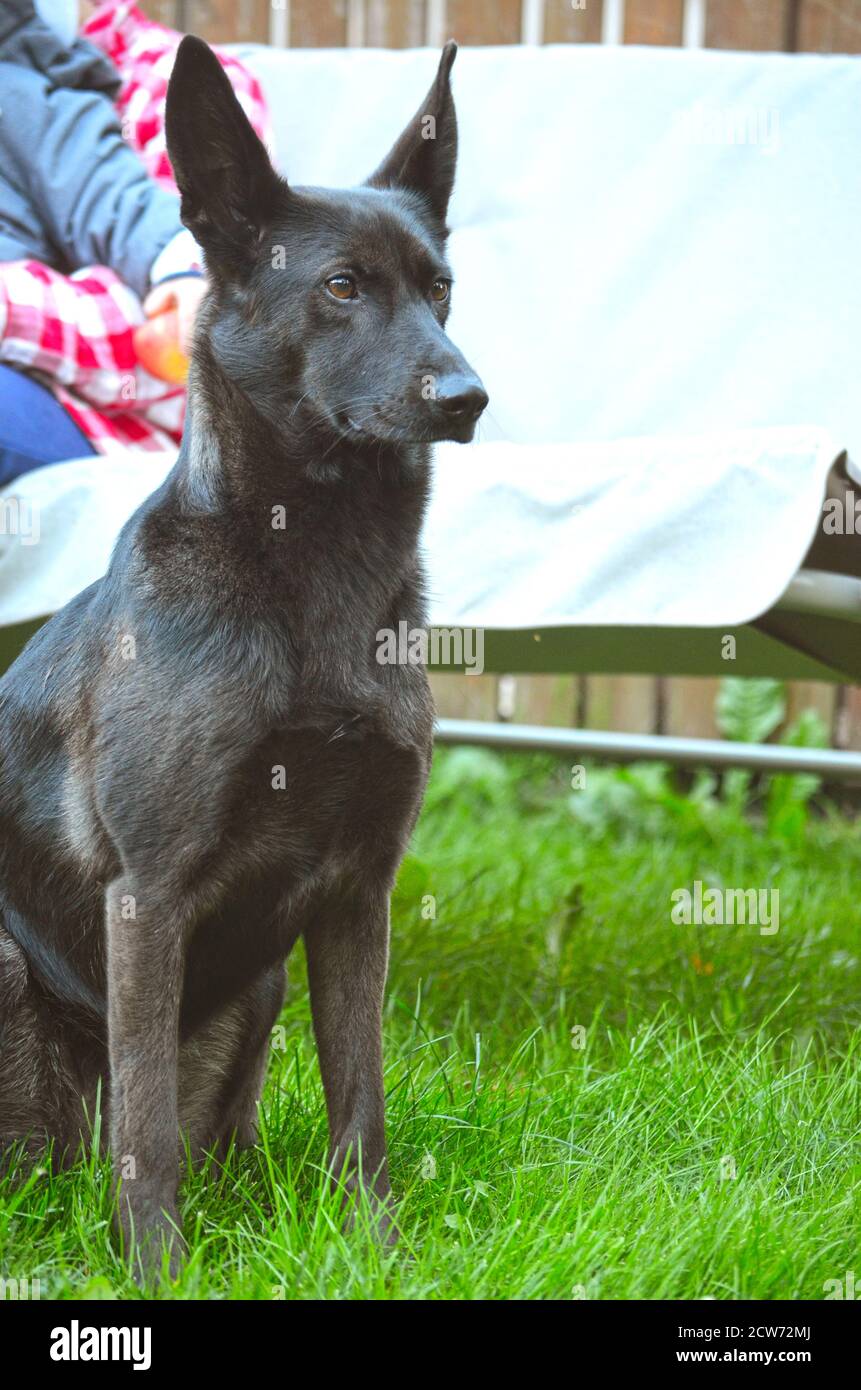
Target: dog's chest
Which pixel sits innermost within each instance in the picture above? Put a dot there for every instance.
(328, 793)
(318, 816)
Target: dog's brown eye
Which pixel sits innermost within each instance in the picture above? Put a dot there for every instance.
(439, 291)
(342, 287)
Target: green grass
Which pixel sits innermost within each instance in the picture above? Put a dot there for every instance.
(698, 1138)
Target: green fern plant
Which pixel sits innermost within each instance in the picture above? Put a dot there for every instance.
(750, 711)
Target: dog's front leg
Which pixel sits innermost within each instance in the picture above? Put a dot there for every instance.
(144, 978)
(347, 950)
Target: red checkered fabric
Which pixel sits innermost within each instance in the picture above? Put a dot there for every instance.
(75, 330)
(143, 53)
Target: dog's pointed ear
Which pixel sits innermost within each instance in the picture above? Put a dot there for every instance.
(228, 187)
(423, 159)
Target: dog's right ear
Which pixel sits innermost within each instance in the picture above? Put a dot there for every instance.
(228, 187)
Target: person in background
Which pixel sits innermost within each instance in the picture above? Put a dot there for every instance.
(90, 235)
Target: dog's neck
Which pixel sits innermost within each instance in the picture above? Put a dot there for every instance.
(239, 455)
(339, 522)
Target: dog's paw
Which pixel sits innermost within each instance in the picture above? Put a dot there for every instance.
(388, 1230)
(380, 1211)
(159, 1255)
(153, 1245)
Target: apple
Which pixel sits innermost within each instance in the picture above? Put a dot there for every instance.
(156, 343)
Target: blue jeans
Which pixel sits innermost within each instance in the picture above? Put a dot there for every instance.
(34, 428)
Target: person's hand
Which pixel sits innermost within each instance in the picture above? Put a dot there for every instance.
(182, 294)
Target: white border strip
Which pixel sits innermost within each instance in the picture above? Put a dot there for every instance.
(355, 23)
(279, 23)
(532, 22)
(435, 23)
(694, 24)
(613, 22)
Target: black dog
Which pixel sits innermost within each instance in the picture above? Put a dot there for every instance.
(201, 757)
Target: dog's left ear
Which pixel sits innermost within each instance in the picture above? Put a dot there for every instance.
(228, 187)
(423, 159)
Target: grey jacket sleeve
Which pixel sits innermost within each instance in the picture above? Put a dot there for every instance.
(89, 192)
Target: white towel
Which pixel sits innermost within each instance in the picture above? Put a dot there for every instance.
(698, 532)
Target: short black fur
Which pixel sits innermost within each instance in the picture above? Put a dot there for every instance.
(201, 758)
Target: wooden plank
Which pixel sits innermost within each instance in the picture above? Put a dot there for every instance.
(464, 697)
(318, 23)
(803, 695)
(654, 21)
(753, 25)
(544, 700)
(484, 21)
(849, 721)
(227, 21)
(691, 702)
(564, 24)
(395, 23)
(166, 12)
(626, 703)
(829, 26)
(209, 19)
(690, 707)
(252, 21)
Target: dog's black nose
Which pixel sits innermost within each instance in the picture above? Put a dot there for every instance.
(462, 397)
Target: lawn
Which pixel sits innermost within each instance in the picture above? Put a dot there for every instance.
(586, 1099)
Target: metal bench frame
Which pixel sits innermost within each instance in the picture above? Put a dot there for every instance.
(815, 594)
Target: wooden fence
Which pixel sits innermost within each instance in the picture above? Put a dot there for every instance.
(820, 26)
(636, 703)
